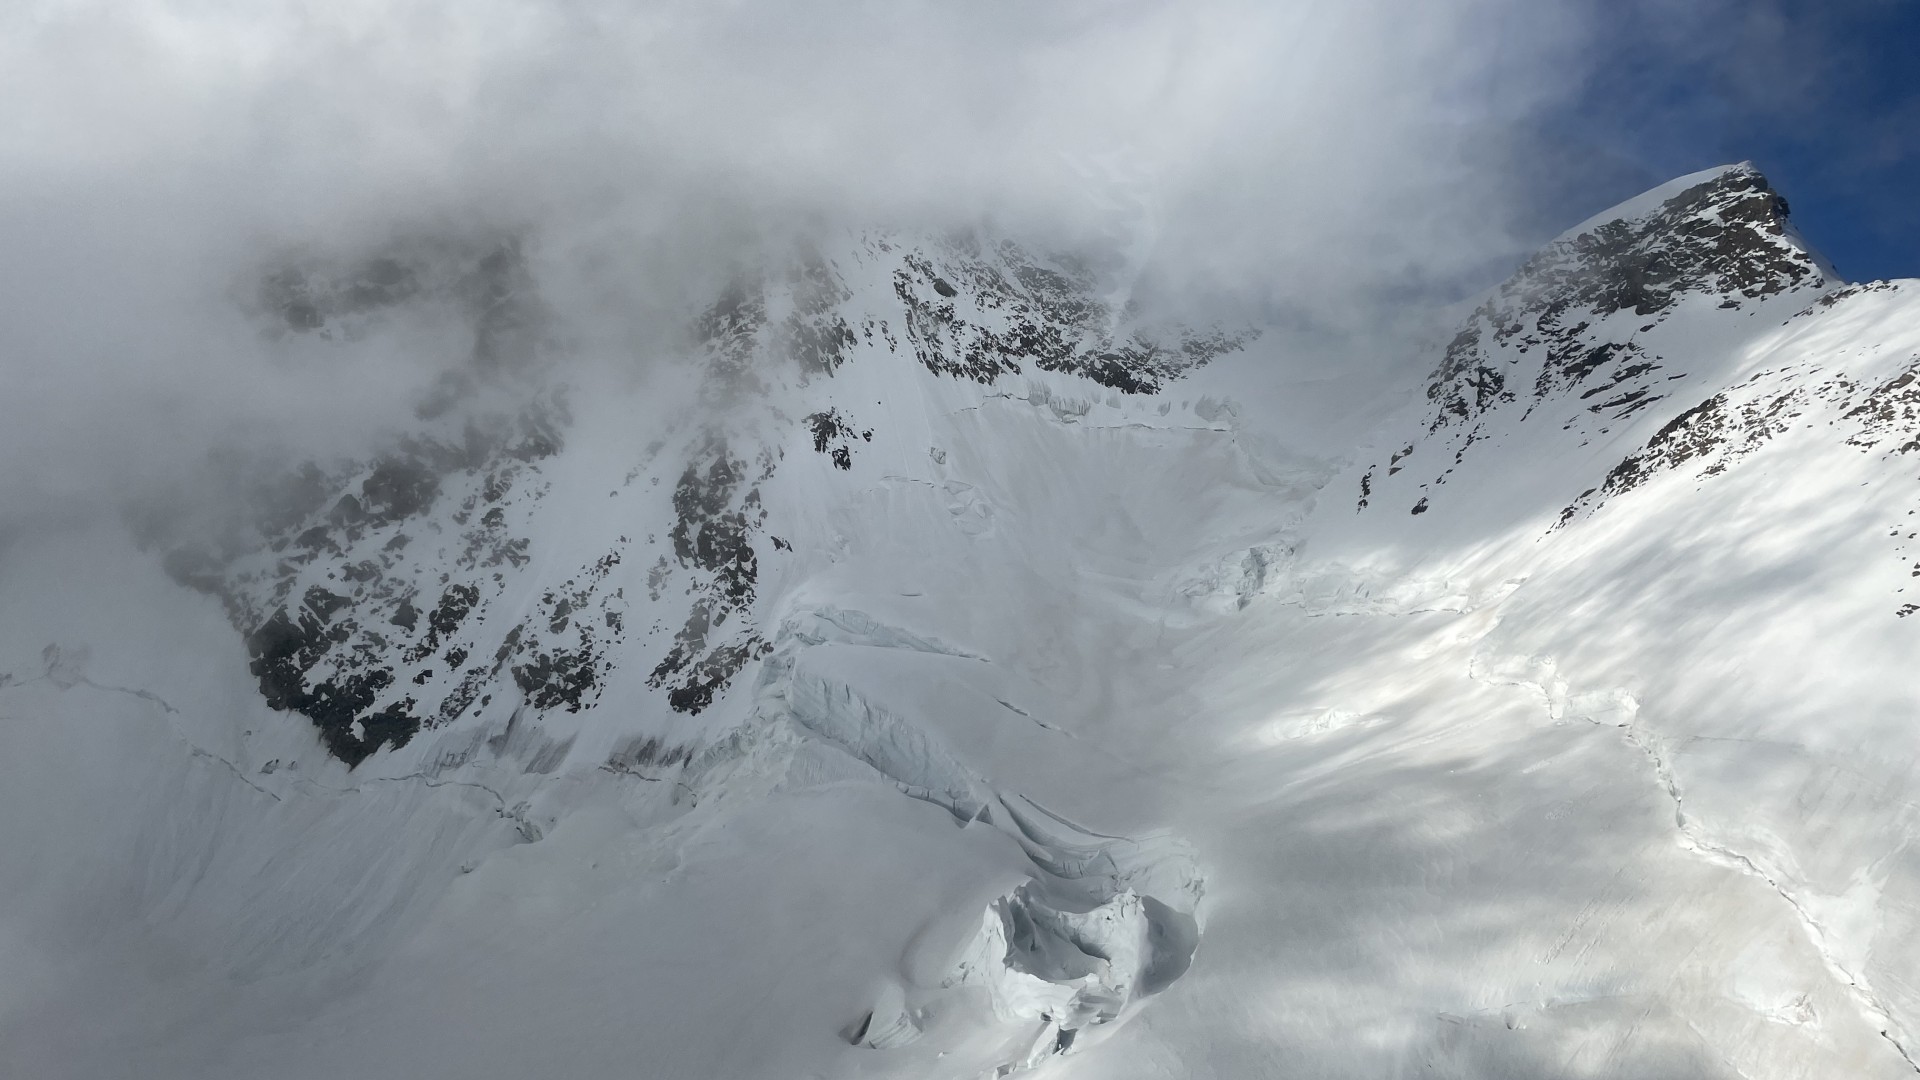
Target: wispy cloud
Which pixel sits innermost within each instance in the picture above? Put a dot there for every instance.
(1317, 161)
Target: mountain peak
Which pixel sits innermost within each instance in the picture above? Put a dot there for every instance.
(1721, 235)
(1651, 200)
(1585, 331)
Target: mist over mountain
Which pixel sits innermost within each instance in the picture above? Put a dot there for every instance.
(923, 541)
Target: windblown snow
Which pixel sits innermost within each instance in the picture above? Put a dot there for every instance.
(939, 671)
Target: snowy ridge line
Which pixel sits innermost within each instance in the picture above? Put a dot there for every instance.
(193, 748)
(65, 670)
(1561, 705)
(529, 830)
(426, 779)
(144, 695)
(1037, 722)
(1104, 923)
(231, 767)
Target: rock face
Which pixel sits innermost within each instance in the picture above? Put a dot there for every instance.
(1627, 334)
(352, 625)
(1583, 337)
(374, 601)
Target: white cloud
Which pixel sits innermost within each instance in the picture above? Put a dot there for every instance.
(1308, 161)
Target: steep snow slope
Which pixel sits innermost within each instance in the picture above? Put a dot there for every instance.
(961, 688)
(1704, 555)
(669, 606)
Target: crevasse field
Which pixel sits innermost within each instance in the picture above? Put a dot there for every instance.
(936, 673)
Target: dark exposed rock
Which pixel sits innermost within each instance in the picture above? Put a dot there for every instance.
(983, 311)
(371, 578)
(1736, 422)
(713, 672)
(445, 618)
(815, 334)
(731, 331)
(323, 603)
(486, 277)
(1569, 333)
(399, 488)
(556, 679)
(284, 650)
(1889, 412)
(334, 620)
(712, 534)
(406, 616)
(1727, 237)
(833, 435)
(567, 670)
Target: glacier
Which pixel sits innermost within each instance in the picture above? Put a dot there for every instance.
(942, 670)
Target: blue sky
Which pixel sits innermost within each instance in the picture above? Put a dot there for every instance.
(1823, 95)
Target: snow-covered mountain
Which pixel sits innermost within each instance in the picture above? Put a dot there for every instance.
(932, 673)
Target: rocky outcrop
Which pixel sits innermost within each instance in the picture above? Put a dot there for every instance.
(376, 597)
(1575, 338)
